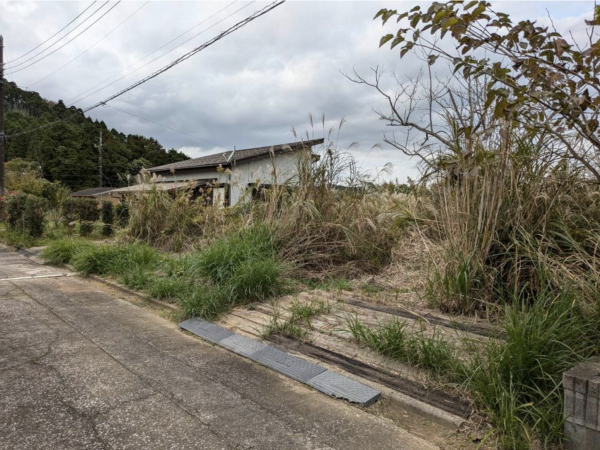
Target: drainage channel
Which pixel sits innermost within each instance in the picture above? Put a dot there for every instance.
(319, 378)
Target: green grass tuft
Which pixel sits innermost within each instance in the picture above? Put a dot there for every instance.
(64, 250)
(300, 314)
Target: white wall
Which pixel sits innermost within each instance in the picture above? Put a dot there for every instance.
(279, 169)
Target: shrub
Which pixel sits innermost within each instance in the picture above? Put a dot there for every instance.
(108, 218)
(26, 214)
(122, 214)
(88, 213)
(15, 207)
(64, 250)
(69, 212)
(34, 215)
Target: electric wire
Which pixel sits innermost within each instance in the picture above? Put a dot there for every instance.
(179, 60)
(66, 43)
(51, 37)
(82, 95)
(90, 47)
(188, 55)
(12, 66)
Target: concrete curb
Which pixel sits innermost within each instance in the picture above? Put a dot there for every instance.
(400, 400)
(395, 398)
(126, 290)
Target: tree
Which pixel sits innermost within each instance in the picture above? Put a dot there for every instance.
(66, 150)
(535, 77)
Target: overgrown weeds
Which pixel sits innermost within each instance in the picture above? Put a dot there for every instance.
(515, 382)
(206, 283)
(326, 219)
(395, 340)
(63, 251)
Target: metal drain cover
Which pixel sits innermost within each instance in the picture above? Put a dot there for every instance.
(318, 377)
(242, 345)
(206, 330)
(296, 368)
(339, 386)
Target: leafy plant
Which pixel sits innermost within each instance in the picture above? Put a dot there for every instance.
(26, 214)
(541, 79)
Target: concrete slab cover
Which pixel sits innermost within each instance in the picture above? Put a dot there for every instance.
(205, 330)
(339, 386)
(292, 366)
(323, 380)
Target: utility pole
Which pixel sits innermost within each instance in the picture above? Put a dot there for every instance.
(2, 137)
(99, 146)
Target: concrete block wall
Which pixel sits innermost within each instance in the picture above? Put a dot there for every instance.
(582, 403)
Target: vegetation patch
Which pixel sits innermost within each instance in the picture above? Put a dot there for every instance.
(232, 271)
(515, 382)
(300, 318)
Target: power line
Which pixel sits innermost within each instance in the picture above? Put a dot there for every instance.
(68, 42)
(35, 48)
(90, 47)
(79, 97)
(8, 75)
(59, 39)
(188, 55)
(223, 34)
(168, 127)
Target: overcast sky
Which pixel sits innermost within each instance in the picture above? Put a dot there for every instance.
(248, 89)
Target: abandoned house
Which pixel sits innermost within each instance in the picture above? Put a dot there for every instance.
(99, 193)
(230, 176)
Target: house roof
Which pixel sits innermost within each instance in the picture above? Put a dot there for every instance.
(161, 185)
(223, 158)
(93, 192)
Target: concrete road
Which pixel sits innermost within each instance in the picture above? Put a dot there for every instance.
(83, 369)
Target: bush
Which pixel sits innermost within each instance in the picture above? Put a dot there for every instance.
(15, 207)
(108, 218)
(64, 250)
(34, 215)
(88, 213)
(69, 211)
(122, 214)
(26, 214)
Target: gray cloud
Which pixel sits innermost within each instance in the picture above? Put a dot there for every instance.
(249, 89)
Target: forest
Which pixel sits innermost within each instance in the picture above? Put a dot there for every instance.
(66, 150)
